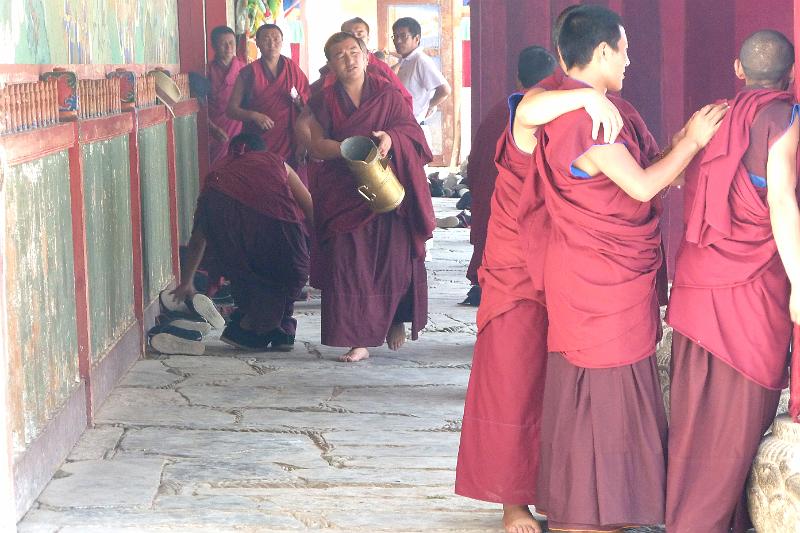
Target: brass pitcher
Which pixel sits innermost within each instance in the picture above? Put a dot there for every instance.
(377, 183)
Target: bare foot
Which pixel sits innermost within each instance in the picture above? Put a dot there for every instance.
(518, 519)
(355, 354)
(396, 336)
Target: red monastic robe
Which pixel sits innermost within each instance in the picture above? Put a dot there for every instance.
(254, 229)
(603, 253)
(502, 412)
(272, 97)
(731, 292)
(222, 80)
(371, 263)
(482, 173)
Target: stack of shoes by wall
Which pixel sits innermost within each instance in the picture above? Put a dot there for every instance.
(238, 337)
(181, 326)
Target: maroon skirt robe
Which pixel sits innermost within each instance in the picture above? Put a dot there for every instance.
(256, 232)
(370, 267)
(729, 310)
(498, 458)
(599, 277)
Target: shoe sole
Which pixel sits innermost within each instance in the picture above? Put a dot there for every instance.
(204, 307)
(281, 348)
(204, 328)
(172, 345)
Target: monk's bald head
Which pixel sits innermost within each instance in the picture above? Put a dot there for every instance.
(767, 57)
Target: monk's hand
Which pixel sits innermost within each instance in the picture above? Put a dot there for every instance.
(384, 142)
(603, 113)
(183, 291)
(262, 121)
(705, 123)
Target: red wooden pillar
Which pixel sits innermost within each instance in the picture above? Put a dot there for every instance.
(136, 225)
(81, 265)
(172, 181)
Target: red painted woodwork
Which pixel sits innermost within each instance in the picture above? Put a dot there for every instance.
(136, 226)
(29, 73)
(80, 260)
(99, 129)
(33, 144)
(150, 116)
(186, 107)
(172, 181)
(192, 36)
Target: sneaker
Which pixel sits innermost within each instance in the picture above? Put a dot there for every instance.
(473, 296)
(167, 343)
(203, 306)
(201, 326)
(237, 337)
(447, 222)
(168, 302)
(188, 334)
(280, 341)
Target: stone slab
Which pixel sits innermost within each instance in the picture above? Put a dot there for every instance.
(131, 482)
(149, 373)
(96, 443)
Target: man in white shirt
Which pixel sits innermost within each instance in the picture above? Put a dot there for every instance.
(417, 71)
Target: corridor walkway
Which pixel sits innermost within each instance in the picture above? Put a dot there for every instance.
(236, 441)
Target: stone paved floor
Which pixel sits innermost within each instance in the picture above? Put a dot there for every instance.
(235, 441)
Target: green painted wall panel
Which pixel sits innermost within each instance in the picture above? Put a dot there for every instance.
(188, 173)
(40, 287)
(109, 247)
(156, 241)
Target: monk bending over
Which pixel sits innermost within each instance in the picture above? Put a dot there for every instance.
(251, 215)
(373, 276)
(735, 294)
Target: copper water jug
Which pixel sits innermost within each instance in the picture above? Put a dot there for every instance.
(377, 183)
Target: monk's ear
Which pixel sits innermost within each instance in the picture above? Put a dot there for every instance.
(738, 69)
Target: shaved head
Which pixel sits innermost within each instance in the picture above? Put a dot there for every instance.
(767, 56)
(558, 24)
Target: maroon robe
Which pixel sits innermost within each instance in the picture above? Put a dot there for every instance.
(373, 271)
(254, 227)
(729, 309)
(603, 466)
(222, 80)
(482, 173)
(272, 96)
(498, 458)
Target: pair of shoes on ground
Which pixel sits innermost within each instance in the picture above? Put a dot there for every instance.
(473, 296)
(199, 304)
(275, 340)
(168, 338)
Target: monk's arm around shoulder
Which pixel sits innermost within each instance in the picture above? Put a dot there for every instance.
(539, 107)
(783, 211)
(616, 162)
(310, 133)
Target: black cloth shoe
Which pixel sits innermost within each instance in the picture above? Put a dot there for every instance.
(473, 296)
(234, 335)
(465, 202)
(188, 334)
(280, 341)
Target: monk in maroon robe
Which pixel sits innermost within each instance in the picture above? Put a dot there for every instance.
(250, 214)
(222, 74)
(269, 94)
(373, 271)
(499, 452)
(602, 407)
(732, 303)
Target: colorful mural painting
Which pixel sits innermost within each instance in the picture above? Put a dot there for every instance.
(89, 31)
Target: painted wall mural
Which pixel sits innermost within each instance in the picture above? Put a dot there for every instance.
(88, 31)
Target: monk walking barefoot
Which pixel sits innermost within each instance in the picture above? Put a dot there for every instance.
(354, 355)
(396, 336)
(518, 519)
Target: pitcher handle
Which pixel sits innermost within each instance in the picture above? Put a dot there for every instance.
(368, 197)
